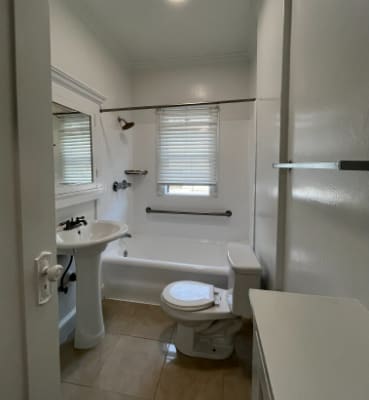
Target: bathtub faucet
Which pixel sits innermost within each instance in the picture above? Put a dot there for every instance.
(127, 235)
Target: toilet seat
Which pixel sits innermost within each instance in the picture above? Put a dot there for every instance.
(220, 308)
(188, 296)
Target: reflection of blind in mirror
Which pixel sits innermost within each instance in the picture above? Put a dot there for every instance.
(75, 149)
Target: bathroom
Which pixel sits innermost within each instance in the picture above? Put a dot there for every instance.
(185, 268)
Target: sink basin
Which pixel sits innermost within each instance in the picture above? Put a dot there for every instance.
(86, 244)
(96, 234)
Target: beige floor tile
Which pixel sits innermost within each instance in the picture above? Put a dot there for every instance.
(134, 367)
(237, 384)
(152, 323)
(75, 392)
(185, 378)
(118, 317)
(134, 319)
(82, 366)
(136, 361)
(243, 342)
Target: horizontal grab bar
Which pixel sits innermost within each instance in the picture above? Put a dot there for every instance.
(227, 213)
(342, 165)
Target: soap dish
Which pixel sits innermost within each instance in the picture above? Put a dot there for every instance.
(136, 172)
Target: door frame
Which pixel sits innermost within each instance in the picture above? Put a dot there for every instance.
(35, 198)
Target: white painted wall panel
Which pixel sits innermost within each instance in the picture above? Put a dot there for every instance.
(268, 109)
(328, 212)
(77, 51)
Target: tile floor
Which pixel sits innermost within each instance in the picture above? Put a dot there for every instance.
(137, 361)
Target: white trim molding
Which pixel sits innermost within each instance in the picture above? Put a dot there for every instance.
(77, 95)
(74, 197)
(205, 59)
(63, 79)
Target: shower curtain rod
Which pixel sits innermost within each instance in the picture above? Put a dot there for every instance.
(206, 103)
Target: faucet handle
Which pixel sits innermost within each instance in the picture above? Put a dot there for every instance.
(64, 222)
(81, 220)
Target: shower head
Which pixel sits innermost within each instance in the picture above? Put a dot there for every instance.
(124, 124)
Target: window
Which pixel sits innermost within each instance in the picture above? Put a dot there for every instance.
(73, 148)
(187, 151)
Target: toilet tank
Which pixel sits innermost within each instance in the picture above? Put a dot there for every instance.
(245, 274)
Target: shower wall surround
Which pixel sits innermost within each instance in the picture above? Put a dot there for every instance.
(193, 83)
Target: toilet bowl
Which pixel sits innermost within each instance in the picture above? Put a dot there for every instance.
(208, 317)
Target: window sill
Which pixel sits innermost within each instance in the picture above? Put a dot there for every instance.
(75, 195)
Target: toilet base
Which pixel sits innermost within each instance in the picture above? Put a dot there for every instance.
(210, 339)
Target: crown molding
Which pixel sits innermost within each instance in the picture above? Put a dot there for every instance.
(67, 81)
(190, 61)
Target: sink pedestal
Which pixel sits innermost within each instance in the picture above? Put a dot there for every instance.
(89, 317)
(87, 243)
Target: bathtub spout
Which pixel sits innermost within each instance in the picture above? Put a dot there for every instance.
(127, 235)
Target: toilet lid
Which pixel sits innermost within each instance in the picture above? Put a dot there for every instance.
(189, 295)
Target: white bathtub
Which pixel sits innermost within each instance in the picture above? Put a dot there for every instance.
(151, 262)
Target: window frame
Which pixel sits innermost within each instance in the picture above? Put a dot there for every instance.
(162, 188)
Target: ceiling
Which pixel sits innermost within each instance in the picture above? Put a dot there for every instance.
(151, 31)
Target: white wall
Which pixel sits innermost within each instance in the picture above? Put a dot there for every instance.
(327, 248)
(78, 52)
(268, 111)
(12, 348)
(176, 84)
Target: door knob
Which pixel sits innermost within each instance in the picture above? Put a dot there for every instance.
(53, 273)
(46, 274)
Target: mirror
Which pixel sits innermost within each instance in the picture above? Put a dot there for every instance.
(72, 135)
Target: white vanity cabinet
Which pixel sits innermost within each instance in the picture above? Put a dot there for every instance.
(309, 347)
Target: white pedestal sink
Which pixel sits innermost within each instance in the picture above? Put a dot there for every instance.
(87, 243)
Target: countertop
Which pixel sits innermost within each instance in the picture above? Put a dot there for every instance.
(314, 347)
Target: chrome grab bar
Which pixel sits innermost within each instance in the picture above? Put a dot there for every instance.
(227, 213)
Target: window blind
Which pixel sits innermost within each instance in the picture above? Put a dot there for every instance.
(187, 145)
(75, 149)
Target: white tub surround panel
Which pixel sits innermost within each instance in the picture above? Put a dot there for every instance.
(309, 347)
(193, 83)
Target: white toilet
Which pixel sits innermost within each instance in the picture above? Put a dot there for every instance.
(208, 317)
